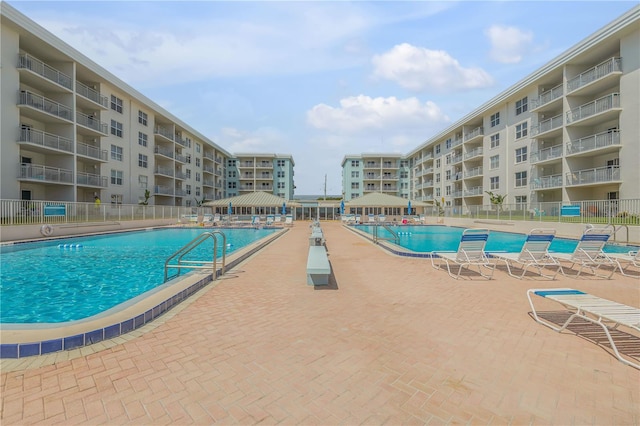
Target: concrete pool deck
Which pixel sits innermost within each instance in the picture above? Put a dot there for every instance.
(390, 341)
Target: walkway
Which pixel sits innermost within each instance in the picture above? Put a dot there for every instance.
(391, 342)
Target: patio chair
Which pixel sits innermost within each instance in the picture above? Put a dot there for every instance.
(372, 218)
(629, 259)
(270, 220)
(590, 308)
(382, 218)
(255, 221)
(534, 254)
(470, 253)
(288, 220)
(588, 253)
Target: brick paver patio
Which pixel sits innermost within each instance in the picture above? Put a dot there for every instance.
(391, 341)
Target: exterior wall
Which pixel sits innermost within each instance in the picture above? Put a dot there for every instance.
(271, 173)
(366, 173)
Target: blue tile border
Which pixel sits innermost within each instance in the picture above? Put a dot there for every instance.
(21, 350)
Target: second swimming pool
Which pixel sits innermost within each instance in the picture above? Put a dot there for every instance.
(75, 278)
(428, 238)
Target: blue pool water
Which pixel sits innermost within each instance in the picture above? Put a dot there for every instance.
(428, 238)
(46, 282)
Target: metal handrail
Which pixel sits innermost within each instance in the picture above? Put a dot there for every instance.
(198, 264)
(377, 238)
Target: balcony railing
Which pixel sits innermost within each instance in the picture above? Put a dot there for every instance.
(546, 154)
(543, 182)
(44, 139)
(87, 179)
(598, 106)
(599, 71)
(163, 190)
(159, 130)
(92, 151)
(547, 96)
(45, 173)
(473, 153)
(456, 159)
(44, 104)
(547, 125)
(597, 175)
(476, 171)
(167, 152)
(370, 165)
(593, 142)
(91, 122)
(37, 66)
(478, 131)
(167, 171)
(91, 94)
(456, 142)
(471, 192)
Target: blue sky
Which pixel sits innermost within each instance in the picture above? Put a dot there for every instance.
(319, 80)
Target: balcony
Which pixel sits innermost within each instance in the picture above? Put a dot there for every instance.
(547, 125)
(91, 151)
(92, 95)
(45, 109)
(593, 176)
(547, 97)
(92, 124)
(91, 180)
(245, 164)
(166, 152)
(181, 158)
(478, 131)
(264, 165)
(601, 106)
(45, 174)
(371, 165)
(208, 182)
(456, 159)
(610, 67)
(164, 132)
(599, 141)
(476, 171)
(36, 66)
(208, 156)
(208, 169)
(476, 152)
(546, 154)
(474, 192)
(44, 142)
(165, 171)
(545, 182)
(163, 190)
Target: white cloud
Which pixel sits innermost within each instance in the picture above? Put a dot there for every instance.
(363, 113)
(419, 69)
(508, 44)
(264, 139)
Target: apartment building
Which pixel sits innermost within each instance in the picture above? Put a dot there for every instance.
(72, 131)
(271, 173)
(376, 172)
(568, 132)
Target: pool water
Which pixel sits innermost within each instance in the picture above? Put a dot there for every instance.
(428, 238)
(75, 278)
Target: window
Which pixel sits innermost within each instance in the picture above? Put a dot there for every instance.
(187, 158)
(142, 118)
(447, 159)
(495, 140)
(116, 199)
(355, 174)
(447, 144)
(521, 202)
(142, 160)
(437, 177)
(495, 161)
(355, 163)
(198, 148)
(281, 185)
(521, 179)
(231, 173)
(197, 161)
(231, 163)
(437, 192)
(522, 106)
(521, 154)
(280, 163)
(355, 194)
(116, 104)
(188, 173)
(438, 162)
(116, 128)
(438, 149)
(116, 177)
(116, 152)
(494, 182)
(521, 130)
(142, 139)
(447, 190)
(197, 191)
(447, 175)
(143, 181)
(197, 176)
(495, 119)
(404, 175)
(404, 163)
(188, 189)
(231, 185)
(280, 174)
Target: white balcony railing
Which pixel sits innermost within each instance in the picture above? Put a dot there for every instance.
(593, 142)
(546, 154)
(44, 139)
(598, 106)
(546, 182)
(91, 94)
(45, 173)
(546, 125)
(591, 176)
(547, 96)
(91, 122)
(47, 71)
(599, 71)
(44, 104)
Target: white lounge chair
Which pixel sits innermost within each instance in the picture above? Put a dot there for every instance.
(372, 218)
(470, 253)
(270, 220)
(592, 309)
(382, 218)
(588, 253)
(534, 254)
(255, 221)
(629, 259)
(288, 220)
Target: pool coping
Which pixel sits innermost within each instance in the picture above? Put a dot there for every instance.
(27, 340)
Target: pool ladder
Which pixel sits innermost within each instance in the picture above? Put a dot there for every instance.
(197, 264)
(376, 237)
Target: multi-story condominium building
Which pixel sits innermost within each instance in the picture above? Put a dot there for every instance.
(271, 173)
(570, 131)
(71, 131)
(365, 173)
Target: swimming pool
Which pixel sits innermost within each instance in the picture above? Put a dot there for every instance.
(428, 238)
(75, 278)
